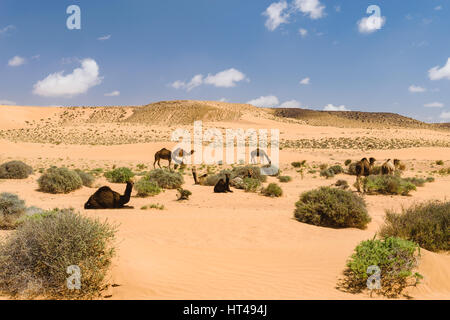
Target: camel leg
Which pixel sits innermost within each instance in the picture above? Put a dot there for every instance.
(358, 187)
(159, 164)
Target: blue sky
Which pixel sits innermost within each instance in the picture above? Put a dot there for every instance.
(311, 53)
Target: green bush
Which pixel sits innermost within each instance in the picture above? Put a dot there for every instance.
(440, 162)
(87, 178)
(387, 184)
(119, 175)
(242, 171)
(347, 162)
(418, 182)
(183, 194)
(12, 209)
(59, 180)
(15, 170)
(327, 173)
(165, 178)
(272, 190)
(251, 184)
(427, 224)
(298, 164)
(34, 260)
(146, 187)
(284, 178)
(396, 258)
(337, 169)
(331, 207)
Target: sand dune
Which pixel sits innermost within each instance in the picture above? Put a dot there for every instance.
(229, 246)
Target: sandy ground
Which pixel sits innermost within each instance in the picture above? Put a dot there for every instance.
(232, 246)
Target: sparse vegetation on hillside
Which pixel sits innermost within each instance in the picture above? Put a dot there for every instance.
(427, 224)
(34, 260)
(15, 170)
(332, 207)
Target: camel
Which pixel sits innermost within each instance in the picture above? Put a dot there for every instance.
(388, 167)
(105, 198)
(222, 185)
(363, 168)
(168, 155)
(198, 180)
(259, 153)
(180, 153)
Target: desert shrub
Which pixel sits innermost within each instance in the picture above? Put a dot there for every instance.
(251, 184)
(427, 224)
(96, 172)
(440, 162)
(59, 180)
(332, 207)
(342, 184)
(337, 169)
(386, 184)
(444, 171)
(298, 164)
(352, 169)
(12, 209)
(119, 175)
(377, 170)
(327, 173)
(165, 178)
(211, 180)
(242, 171)
(272, 190)
(418, 182)
(183, 194)
(87, 178)
(34, 260)
(153, 206)
(430, 179)
(396, 258)
(323, 166)
(146, 188)
(15, 170)
(347, 162)
(284, 178)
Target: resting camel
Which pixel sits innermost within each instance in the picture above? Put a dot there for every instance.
(105, 198)
(198, 180)
(388, 167)
(222, 185)
(168, 155)
(363, 168)
(259, 153)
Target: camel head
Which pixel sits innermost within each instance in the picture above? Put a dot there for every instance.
(192, 151)
(372, 160)
(396, 162)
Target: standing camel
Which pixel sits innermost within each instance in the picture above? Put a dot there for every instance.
(363, 168)
(259, 153)
(388, 167)
(168, 155)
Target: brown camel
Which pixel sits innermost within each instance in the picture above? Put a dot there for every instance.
(222, 185)
(105, 198)
(363, 168)
(168, 155)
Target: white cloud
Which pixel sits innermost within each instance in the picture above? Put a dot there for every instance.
(445, 115)
(224, 79)
(16, 61)
(78, 82)
(438, 8)
(113, 94)
(265, 102)
(331, 107)
(313, 8)
(416, 89)
(6, 29)
(303, 32)
(7, 103)
(103, 38)
(434, 105)
(371, 24)
(276, 15)
(305, 81)
(290, 104)
(437, 73)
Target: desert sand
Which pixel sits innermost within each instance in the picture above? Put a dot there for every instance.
(224, 246)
